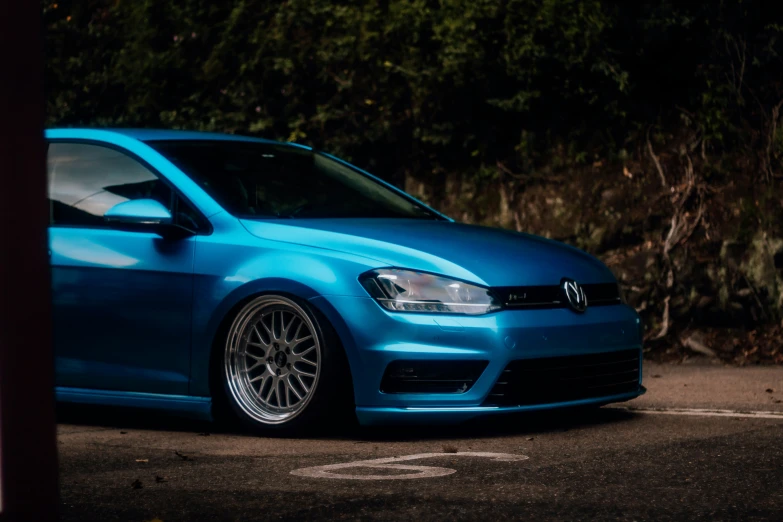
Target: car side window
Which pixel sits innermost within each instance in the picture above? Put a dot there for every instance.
(87, 180)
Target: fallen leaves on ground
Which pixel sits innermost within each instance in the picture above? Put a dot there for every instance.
(760, 346)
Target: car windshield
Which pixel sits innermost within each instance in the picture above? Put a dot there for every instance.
(260, 180)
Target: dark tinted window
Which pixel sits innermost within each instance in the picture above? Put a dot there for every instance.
(87, 180)
(268, 180)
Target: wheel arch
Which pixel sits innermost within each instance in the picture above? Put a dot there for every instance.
(225, 313)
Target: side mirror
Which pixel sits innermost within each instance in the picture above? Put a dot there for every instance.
(138, 212)
(145, 215)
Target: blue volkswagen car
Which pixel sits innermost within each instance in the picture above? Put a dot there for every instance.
(202, 273)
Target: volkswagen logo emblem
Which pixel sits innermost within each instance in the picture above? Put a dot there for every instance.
(574, 295)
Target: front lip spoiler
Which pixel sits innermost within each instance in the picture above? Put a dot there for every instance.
(369, 416)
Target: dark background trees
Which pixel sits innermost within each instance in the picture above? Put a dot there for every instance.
(645, 132)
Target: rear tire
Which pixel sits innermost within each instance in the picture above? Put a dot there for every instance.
(283, 369)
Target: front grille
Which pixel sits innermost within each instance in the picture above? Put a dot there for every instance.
(551, 296)
(563, 379)
(431, 376)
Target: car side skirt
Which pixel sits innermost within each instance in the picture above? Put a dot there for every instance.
(186, 406)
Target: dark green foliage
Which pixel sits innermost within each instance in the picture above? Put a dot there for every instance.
(426, 87)
(542, 115)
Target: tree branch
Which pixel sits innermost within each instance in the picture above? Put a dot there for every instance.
(655, 160)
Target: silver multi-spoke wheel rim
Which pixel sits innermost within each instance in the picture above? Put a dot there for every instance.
(272, 360)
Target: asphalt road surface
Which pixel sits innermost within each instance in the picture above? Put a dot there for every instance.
(706, 442)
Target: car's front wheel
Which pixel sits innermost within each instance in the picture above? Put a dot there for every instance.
(282, 366)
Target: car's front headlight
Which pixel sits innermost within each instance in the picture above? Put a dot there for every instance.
(409, 291)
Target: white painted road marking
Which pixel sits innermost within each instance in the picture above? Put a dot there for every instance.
(702, 412)
(390, 464)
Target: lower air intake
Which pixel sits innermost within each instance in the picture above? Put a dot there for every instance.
(431, 376)
(562, 379)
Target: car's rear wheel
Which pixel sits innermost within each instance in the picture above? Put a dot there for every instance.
(282, 365)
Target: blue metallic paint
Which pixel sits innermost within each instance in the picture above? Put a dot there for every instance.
(137, 313)
(499, 258)
(449, 415)
(122, 309)
(185, 405)
(139, 211)
(377, 337)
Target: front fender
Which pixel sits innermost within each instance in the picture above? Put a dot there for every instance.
(226, 275)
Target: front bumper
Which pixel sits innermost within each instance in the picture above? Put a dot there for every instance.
(369, 416)
(373, 338)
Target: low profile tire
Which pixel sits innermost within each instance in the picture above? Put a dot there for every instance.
(283, 368)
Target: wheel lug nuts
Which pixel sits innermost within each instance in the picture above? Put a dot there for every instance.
(277, 346)
(269, 359)
(288, 366)
(288, 350)
(278, 371)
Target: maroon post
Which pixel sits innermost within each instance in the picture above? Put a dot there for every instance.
(28, 450)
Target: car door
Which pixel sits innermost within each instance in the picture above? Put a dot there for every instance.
(121, 299)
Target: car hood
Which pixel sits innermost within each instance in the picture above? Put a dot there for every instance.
(489, 256)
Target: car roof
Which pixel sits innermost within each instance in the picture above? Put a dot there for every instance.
(157, 135)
